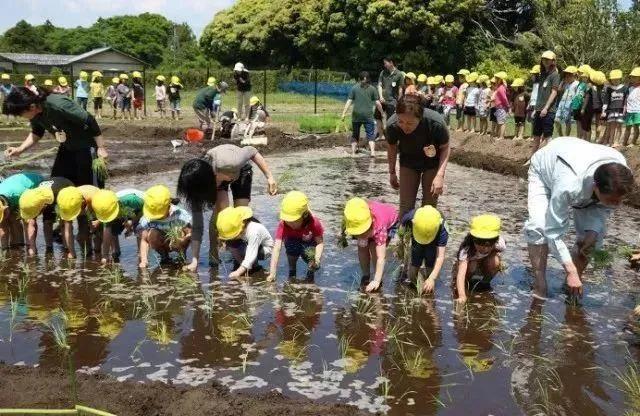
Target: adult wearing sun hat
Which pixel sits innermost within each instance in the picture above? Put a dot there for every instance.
(243, 87)
(546, 104)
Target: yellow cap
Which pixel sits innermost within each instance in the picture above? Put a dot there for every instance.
(254, 100)
(410, 75)
(175, 80)
(294, 205)
(598, 77)
(211, 81)
(69, 203)
(160, 78)
(96, 74)
(6, 76)
(115, 80)
(32, 201)
(464, 72)
(615, 74)
(48, 83)
(472, 77)
(430, 80)
(62, 81)
(231, 222)
(449, 78)
(83, 75)
(502, 75)
(551, 55)
(157, 201)
(426, 223)
(485, 226)
(584, 70)
(570, 69)
(357, 216)
(234, 110)
(518, 82)
(535, 69)
(124, 76)
(635, 72)
(29, 77)
(136, 74)
(105, 205)
(422, 78)
(88, 191)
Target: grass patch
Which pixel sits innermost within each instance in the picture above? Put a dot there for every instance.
(319, 124)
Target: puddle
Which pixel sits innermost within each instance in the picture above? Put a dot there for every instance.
(391, 352)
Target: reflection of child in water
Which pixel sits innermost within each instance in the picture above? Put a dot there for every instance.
(479, 252)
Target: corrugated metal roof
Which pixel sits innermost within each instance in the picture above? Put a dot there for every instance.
(53, 60)
(37, 58)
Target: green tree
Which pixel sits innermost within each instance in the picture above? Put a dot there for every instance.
(23, 37)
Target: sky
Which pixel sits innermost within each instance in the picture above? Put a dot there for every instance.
(72, 13)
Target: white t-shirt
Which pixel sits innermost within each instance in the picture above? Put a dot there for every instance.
(473, 94)
(256, 235)
(161, 93)
(633, 100)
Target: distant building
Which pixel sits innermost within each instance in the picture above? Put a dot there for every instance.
(107, 60)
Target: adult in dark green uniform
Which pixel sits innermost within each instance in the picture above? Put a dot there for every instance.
(203, 104)
(390, 83)
(365, 100)
(76, 130)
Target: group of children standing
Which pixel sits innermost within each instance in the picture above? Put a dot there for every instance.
(584, 96)
(160, 223)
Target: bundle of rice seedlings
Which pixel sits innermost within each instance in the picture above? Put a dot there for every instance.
(99, 166)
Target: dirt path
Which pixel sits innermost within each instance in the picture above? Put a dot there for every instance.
(22, 387)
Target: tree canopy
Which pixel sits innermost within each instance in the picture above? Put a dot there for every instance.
(150, 37)
(432, 35)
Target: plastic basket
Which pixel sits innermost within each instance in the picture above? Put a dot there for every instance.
(193, 135)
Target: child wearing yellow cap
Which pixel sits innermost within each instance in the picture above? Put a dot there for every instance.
(460, 96)
(161, 217)
(567, 91)
(471, 96)
(11, 189)
(613, 106)
(82, 89)
(429, 239)
(138, 95)
(247, 239)
(519, 106)
(161, 96)
(479, 253)
(632, 111)
(41, 200)
(484, 102)
(112, 96)
(75, 203)
(173, 93)
(97, 93)
(372, 224)
(302, 234)
(258, 116)
(448, 98)
(117, 212)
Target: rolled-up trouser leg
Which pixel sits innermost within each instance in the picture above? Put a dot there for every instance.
(538, 204)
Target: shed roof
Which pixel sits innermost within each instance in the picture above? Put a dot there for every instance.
(61, 60)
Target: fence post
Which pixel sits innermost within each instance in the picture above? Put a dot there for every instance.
(315, 91)
(264, 87)
(144, 88)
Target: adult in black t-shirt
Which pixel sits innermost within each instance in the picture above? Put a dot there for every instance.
(243, 88)
(421, 138)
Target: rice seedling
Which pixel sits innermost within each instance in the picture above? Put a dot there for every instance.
(14, 315)
(601, 259)
(208, 305)
(158, 330)
(286, 180)
(112, 274)
(24, 277)
(343, 345)
(58, 326)
(99, 166)
(401, 247)
(415, 362)
(174, 235)
(628, 381)
(420, 283)
(365, 305)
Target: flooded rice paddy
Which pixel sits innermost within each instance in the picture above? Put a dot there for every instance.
(392, 352)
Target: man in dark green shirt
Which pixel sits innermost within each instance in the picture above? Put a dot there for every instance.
(203, 104)
(365, 99)
(390, 84)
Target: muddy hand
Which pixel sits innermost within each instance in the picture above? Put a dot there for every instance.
(372, 286)
(429, 285)
(11, 152)
(437, 185)
(575, 284)
(272, 186)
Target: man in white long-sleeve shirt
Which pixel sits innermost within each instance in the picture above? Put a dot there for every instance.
(567, 175)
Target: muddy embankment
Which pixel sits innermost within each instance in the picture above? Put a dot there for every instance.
(139, 150)
(24, 387)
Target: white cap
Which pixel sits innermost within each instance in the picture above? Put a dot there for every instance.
(239, 67)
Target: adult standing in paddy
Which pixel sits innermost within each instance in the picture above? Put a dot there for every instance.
(365, 100)
(390, 83)
(243, 88)
(544, 112)
(572, 175)
(206, 184)
(421, 138)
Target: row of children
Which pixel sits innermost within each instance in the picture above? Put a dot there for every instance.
(159, 223)
(580, 95)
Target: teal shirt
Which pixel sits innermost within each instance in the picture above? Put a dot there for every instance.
(205, 98)
(14, 186)
(364, 102)
(131, 203)
(578, 99)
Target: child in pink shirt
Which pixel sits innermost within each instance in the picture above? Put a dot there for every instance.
(372, 224)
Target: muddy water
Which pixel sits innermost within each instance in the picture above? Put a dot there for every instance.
(392, 352)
